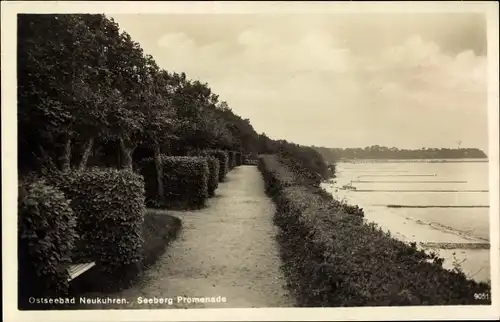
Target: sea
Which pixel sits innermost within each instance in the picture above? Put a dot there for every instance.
(442, 205)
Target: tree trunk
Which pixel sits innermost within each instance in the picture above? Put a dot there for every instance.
(86, 153)
(159, 173)
(167, 148)
(127, 148)
(66, 155)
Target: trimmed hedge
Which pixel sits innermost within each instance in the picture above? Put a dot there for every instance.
(223, 158)
(276, 176)
(332, 258)
(232, 159)
(239, 159)
(213, 180)
(46, 235)
(185, 181)
(109, 205)
(158, 230)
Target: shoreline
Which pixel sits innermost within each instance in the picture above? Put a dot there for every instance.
(426, 222)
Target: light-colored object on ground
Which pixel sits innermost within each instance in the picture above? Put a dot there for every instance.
(78, 269)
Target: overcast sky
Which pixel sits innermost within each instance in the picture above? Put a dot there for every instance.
(335, 80)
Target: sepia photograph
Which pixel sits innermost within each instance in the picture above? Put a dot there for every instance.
(208, 155)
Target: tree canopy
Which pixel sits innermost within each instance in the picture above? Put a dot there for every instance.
(89, 94)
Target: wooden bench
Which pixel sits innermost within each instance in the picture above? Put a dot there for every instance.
(78, 269)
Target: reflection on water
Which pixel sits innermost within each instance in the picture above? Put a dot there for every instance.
(442, 206)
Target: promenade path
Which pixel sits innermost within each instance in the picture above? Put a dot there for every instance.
(227, 249)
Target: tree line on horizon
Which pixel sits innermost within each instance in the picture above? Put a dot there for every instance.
(88, 95)
(382, 152)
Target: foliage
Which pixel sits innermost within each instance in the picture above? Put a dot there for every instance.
(214, 167)
(158, 230)
(238, 159)
(332, 258)
(109, 205)
(46, 235)
(213, 180)
(185, 181)
(230, 159)
(223, 158)
(111, 97)
(305, 160)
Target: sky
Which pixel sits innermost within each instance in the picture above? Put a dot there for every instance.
(335, 80)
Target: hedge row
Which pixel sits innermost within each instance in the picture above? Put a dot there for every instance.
(238, 158)
(231, 160)
(94, 215)
(223, 158)
(109, 205)
(185, 181)
(213, 178)
(158, 230)
(46, 237)
(332, 258)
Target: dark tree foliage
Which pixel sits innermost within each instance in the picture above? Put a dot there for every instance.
(90, 96)
(303, 159)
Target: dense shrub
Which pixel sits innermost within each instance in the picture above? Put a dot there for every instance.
(158, 230)
(109, 205)
(305, 157)
(46, 234)
(213, 178)
(238, 158)
(276, 176)
(223, 158)
(231, 159)
(185, 181)
(332, 258)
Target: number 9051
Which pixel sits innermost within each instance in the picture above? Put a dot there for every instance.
(481, 296)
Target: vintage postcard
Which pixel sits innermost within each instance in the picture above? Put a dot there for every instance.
(212, 160)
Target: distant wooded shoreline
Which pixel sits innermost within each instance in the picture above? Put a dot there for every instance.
(380, 153)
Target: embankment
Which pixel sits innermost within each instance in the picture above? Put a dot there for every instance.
(333, 258)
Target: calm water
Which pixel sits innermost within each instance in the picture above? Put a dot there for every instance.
(443, 206)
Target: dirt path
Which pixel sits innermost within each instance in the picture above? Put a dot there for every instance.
(225, 250)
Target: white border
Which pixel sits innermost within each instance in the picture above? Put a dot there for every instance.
(9, 158)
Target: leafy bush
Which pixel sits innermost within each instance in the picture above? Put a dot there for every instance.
(332, 258)
(46, 235)
(238, 158)
(276, 177)
(109, 205)
(231, 159)
(223, 162)
(158, 230)
(185, 181)
(223, 158)
(213, 180)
